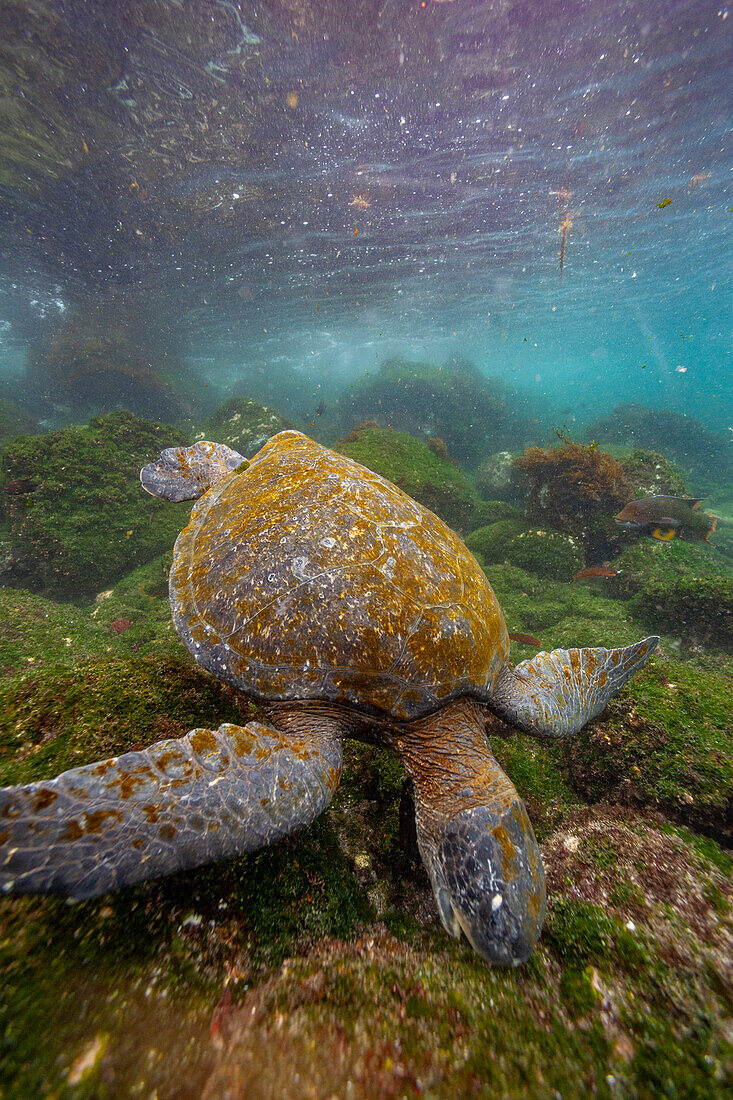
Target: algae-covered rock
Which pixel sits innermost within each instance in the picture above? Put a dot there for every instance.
(185, 985)
(543, 552)
(627, 939)
(705, 454)
(651, 474)
(666, 742)
(135, 614)
(496, 477)
(699, 609)
(55, 717)
(243, 424)
(35, 631)
(472, 414)
(84, 520)
(417, 469)
(682, 588)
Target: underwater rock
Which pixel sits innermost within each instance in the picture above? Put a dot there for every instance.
(651, 474)
(36, 632)
(637, 915)
(578, 489)
(416, 469)
(87, 521)
(687, 589)
(541, 551)
(700, 609)
(455, 402)
(666, 744)
(701, 452)
(243, 424)
(496, 477)
(98, 362)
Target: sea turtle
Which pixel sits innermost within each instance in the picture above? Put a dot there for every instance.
(348, 610)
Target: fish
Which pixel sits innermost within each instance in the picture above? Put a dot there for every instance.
(666, 518)
(595, 571)
(525, 639)
(119, 626)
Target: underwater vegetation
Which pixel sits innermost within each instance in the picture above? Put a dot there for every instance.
(576, 488)
(473, 414)
(13, 421)
(545, 552)
(81, 521)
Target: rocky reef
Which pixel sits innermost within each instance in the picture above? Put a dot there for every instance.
(702, 453)
(77, 519)
(473, 414)
(318, 966)
(243, 424)
(576, 488)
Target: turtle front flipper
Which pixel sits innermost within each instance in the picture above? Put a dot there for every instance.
(176, 805)
(555, 694)
(186, 473)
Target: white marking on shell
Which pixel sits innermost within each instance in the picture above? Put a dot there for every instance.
(329, 543)
(496, 902)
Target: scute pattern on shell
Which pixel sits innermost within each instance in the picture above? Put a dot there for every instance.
(307, 576)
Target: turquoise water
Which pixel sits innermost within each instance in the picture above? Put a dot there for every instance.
(260, 188)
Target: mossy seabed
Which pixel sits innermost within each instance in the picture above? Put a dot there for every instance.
(321, 960)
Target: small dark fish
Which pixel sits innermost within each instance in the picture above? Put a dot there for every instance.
(666, 518)
(525, 639)
(595, 571)
(20, 485)
(119, 626)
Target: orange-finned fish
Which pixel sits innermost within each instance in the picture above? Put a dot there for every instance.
(525, 639)
(595, 571)
(668, 517)
(565, 225)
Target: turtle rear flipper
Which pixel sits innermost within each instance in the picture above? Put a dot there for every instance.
(186, 473)
(180, 803)
(555, 694)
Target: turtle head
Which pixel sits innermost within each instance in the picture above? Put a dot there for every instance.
(474, 835)
(487, 876)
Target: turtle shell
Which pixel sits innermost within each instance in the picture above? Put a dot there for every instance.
(304, 575)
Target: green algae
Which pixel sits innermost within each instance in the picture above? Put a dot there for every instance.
(415, 468)
(544, 552)
(472, 414)
(87, 521)
(135, 614)
(53, 718)
(666, 743)
(536, 770)
(35, 631)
